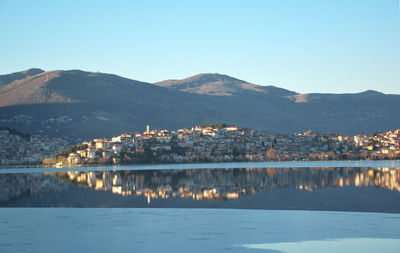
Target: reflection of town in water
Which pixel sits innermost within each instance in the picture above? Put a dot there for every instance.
(223, 184)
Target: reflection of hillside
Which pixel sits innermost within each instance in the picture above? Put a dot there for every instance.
(230, 183)
(14, 186)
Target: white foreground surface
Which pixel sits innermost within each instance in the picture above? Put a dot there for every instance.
(195, 230)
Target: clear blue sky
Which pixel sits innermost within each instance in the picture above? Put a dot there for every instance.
(302, 45)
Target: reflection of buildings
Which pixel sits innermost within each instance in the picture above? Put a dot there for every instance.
(13, 186)
(223, 184)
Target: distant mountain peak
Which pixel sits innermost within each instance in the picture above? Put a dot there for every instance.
(70, 86)
(203, 77)
(215, 77)
(371, 92)
(32, 71)
(219, 85)
(9, 78)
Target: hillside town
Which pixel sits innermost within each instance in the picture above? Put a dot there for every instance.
(21, 149)
(222, 143)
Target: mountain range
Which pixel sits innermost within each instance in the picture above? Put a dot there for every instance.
(78, 104)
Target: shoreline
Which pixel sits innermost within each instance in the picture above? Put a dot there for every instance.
(218, 165)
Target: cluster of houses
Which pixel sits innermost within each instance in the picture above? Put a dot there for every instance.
(380, 144)
(21, 149)
(229, 184)
(216, 143)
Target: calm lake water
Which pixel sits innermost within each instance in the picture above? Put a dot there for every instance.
(235, 207)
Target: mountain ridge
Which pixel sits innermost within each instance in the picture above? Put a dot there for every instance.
(82, 104)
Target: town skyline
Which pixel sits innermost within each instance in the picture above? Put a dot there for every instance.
(228, 143)
(202, 143)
